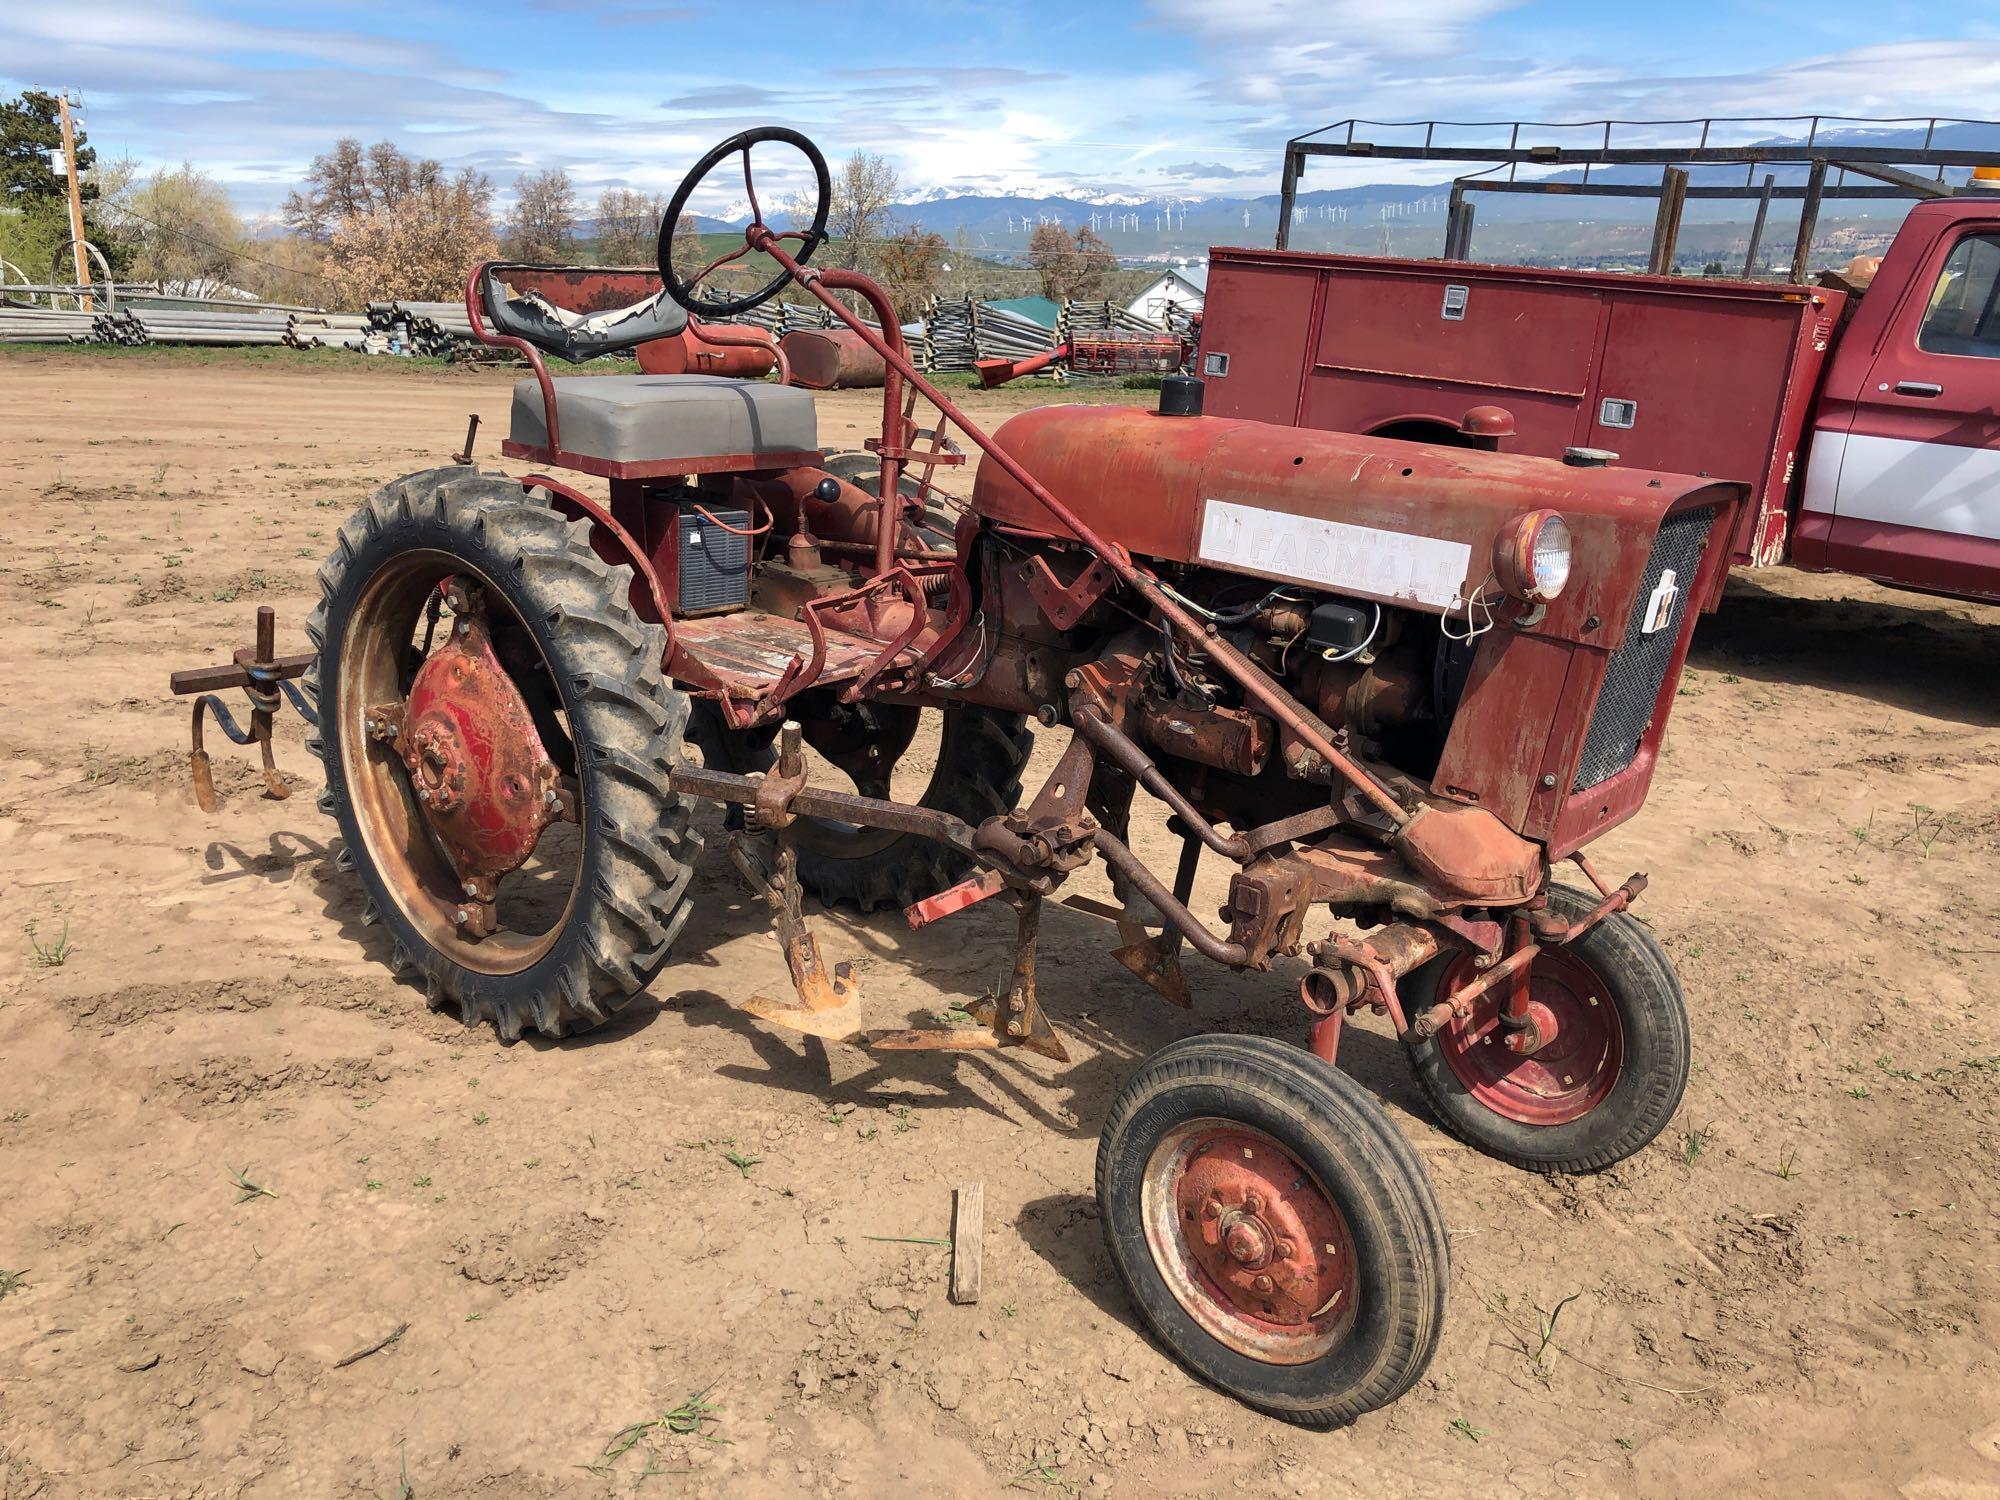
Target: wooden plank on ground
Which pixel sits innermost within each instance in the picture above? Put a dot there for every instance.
(967, 1216)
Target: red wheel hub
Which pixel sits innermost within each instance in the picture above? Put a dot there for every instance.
(477, 767)
(1581, 1044)
(1249, 1242)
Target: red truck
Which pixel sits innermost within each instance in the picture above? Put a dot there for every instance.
(1867, 425)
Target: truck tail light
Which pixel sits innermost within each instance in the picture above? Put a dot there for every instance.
(1531, 556)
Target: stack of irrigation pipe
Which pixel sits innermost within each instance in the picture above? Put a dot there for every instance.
(964, 329)
(211, 325)
(41, 325)
(317, 330)
(1102, 317)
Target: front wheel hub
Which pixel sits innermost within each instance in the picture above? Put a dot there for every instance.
(481, 776)
(1250, 1244)
(1533, 1032)
(1565, 1069)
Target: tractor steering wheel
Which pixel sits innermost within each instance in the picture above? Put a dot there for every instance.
(684, 292)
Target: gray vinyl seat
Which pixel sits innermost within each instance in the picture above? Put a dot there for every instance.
(664, 418)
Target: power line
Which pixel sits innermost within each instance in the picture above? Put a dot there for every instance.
(233, 252)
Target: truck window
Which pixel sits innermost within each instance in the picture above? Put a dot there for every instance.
(1964, 312)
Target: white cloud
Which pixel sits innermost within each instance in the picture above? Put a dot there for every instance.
(1281, 29)
(1225, 83)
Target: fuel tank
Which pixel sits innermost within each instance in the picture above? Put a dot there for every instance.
(1406, 524)
(686, 353)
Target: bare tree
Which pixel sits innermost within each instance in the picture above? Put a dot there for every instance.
(690, 254)
(1052, 256)
(628, 226)
(285, 269)
(862, 193)
(543, 221)
(350, 181)
(1095, 263)
(420, 247)
(910, 264)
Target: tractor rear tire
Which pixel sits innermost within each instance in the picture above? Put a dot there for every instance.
(978, 776)
(622, 735)
(1228, 1158)
(1609, 1082)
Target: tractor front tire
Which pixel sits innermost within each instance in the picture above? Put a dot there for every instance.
(1274, 1227)
(621, 730)
(1602, 1089)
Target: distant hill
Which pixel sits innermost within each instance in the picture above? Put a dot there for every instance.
(1408, 217)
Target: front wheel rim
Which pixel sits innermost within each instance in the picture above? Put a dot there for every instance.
(1249, 1242)
(1565, 1079)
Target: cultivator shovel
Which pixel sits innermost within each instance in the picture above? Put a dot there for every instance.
(265, 678)
(1012, 1019)
(829, 1001)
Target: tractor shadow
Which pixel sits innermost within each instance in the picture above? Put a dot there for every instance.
(1930, 657)
(1108, 1019)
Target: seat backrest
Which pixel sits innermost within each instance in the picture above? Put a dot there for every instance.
(575, 337)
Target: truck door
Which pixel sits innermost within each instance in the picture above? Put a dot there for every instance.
(1917, 498)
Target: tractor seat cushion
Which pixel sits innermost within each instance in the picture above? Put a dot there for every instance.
(662, 418)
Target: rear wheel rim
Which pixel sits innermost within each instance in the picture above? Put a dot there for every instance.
(1568, 1077)
(376, 667)
(1249, 1242)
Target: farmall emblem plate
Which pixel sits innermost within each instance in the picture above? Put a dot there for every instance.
(1390, 565)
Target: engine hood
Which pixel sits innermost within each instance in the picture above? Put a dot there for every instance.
(1410, 524)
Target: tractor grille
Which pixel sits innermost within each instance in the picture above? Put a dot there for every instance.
(715, 564)
(1638, 667)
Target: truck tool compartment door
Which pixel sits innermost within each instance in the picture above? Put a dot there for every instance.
(1916, 477)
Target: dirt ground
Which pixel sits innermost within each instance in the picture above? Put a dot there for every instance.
(690, 1256)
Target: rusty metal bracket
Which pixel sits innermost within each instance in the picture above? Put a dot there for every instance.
(955, 898)
(777, 787)
(1066, 603)
(1553, 933)
(1157, 959)
(265, 678)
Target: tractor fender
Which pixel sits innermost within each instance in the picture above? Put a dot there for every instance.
(611, 541)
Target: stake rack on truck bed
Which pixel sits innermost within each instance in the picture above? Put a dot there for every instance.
(1866, 420)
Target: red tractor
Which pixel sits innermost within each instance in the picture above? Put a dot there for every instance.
(1394, 683)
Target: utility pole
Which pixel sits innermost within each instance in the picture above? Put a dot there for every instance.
(75, 198)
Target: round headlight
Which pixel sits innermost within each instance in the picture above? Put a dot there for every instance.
(1531, 556)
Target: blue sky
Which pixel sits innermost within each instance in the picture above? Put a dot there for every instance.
(1147, 95)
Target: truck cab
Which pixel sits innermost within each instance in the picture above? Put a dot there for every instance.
(1902, 480)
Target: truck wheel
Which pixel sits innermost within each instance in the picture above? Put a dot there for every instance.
(1274, 1227)
(979, 755)
(1607, 1082)
(588, 919)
